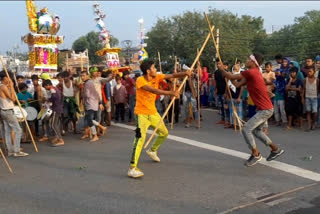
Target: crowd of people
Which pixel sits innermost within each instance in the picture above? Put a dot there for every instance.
(97, 97)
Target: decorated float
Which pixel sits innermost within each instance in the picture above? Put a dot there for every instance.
(111, 54)
(42, 40)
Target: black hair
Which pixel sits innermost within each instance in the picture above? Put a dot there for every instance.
(146, 65)
(217, 60)
(294, 69)
(259, 58)
(34, 77)
(226, 63)
(309, 58)
(137, 75)
(267, 63)
(46, 82)
(278, 56)
(20, 77)
(22, 86)
(59, 74)
(84, 72)
(126, 72)
(3, 74)
(65, 74)
(239, 61)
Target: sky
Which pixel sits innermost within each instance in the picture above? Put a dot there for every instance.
(76, 17)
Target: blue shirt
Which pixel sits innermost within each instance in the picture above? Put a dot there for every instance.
(280, 83)
(24, 97)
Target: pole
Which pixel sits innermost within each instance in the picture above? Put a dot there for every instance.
(5, 161)
(19, 104)
(159, 62)
(236, 119)
(217, 46)
(174, 89)
(67, 61)
(180, 87)
(81, 63)
(199, 70)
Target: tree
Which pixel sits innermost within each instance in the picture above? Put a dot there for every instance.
(182, 35)
(92, 43)
(299, 40)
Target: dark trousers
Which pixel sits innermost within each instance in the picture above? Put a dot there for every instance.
(176, 111)
(120, 111)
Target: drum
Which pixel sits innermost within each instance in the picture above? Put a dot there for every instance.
(32, 113)
(17, 112)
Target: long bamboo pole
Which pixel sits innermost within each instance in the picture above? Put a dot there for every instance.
(19, 104)
(180, 87)
(159, 62)
(199, 70)
(174, 89)
(5, 161)
(67, 61)
(236, 119)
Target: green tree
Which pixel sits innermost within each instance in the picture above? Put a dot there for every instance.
(182, 35)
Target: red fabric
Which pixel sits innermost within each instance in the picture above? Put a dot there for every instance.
(257, 89)
(104, 97)
(205, 75)
(129, 84)
(163, 86)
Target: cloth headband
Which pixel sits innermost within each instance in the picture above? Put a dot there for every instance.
(254, 60)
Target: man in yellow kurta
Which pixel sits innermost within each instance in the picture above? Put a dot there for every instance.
(147, 87)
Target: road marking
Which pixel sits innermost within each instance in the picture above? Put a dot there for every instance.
(273, 164)
(276, 202)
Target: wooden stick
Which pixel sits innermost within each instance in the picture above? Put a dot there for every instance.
(6, 162)
(174, 89)
(81, 63)
(181, 86)
(199, 69)
(159, 62)
(19, 104)
(16, 81)
(67, 61)
(228, 89)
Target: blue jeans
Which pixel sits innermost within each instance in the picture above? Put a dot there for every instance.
(311, 104)
(220, 103)
(10, 123)
(238, 107)
(255, 126)
(187, 98)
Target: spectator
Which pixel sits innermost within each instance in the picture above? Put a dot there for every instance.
(309, 64)
(130, 85)
(220, 90)
(311, 85)
(293, 103)
(279, 104)
(120, 95)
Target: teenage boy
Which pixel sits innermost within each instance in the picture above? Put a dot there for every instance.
(311, 85)
(146, 113)
(259, 94)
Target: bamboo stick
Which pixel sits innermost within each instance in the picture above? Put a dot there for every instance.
(180, 87)
(5, 161)
(236, 119)
(199, 69)
(19, 104)
(174, 89)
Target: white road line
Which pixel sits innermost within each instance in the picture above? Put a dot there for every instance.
(276, 202)
(274, 164)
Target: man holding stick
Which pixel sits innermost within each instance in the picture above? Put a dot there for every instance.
(7, 99)
(147, 87)
(259, 94)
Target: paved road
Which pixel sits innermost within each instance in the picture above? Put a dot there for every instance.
(200, 178)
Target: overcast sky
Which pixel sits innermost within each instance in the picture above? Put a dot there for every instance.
(122, 16)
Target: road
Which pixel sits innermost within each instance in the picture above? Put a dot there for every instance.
(201, 171)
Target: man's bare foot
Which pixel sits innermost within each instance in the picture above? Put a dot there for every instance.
(55, 140)
(43, 139)
(85, 136)
(94, 139)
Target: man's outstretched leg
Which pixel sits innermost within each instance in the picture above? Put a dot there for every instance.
(162, 135)
(142, 123)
